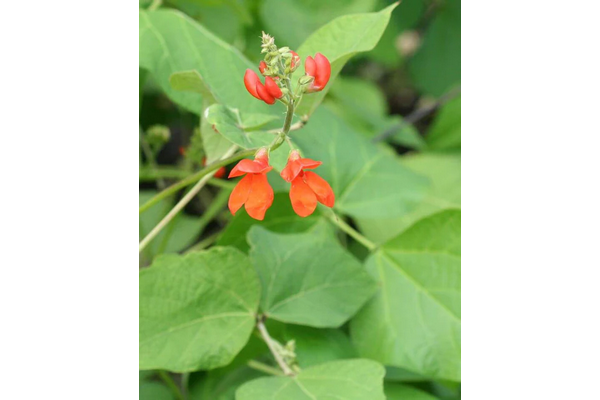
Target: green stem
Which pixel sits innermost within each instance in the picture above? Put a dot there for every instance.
(273, 345)
(350, 230)
(194, 178)
(166, 377)
(264, 368)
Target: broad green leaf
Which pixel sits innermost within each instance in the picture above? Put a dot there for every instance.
(443, 170)
(367, 181)
(196, 311)
(228, 122)
(414, 320)
(444, 133)
(154, 391)
(176, 236)
(347, 379)
(308, 278)
(436, 65)
(171, 42)
(279, 218)
(397, 391)
(339, 40)
(191, 81)
(292, 21)
(318, 346)
(395, 374)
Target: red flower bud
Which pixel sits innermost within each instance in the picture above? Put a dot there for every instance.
(320, 69)
(250, 81)
(253, 190)
(295, 58)
(272, 88)
(262, 66)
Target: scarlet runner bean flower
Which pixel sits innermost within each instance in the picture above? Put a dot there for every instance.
(253, 190)
(268, 92)
(320, 69)
(307, 187)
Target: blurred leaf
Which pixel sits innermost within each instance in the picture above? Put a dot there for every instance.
(397, 391)
(292, 21)
(348, 379)
(406, 17)
(225, 18)
(443, 170)
(171, 42)
(367, 181)
(436, 65)
(339, 40)
(196, 311)
(318, 346)
(444, 133)
(280, 218)
(228, 122)
(154, 391)
(177, 235)
(308, 278)
(395, 374)
(414, 320)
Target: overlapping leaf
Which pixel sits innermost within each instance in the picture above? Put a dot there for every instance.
(196, 311)
(308, 278)
(347, 379)
(414, 320)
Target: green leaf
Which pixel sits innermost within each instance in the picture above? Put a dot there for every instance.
(436, 65)
(339, 40)
(318, 346)
(177, 235)
(279, 218)
(222, 386)
(171, 42)
(444, 133)
(154, 391)
(196, 311)
(443, 170)
(228, 122)
(414, 320)
(397, 391)
(368, 182)
(191, 81)
(308, 16)
(308, 278)
(348, 379)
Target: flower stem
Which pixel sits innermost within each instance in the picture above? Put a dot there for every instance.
(273, 346)
(343, 225)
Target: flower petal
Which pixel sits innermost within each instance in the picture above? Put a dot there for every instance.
(240, 193)
(246, 166)
(320, 187)
(264, 94)
(272, 88)
(250, 79)
(307, 163)
(291, 170)
(260, 198)
(304, 200)
(262, 66)
(310, 67)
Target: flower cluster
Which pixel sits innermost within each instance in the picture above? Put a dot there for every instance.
(255, 193)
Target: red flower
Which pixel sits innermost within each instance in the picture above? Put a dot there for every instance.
(220, 172)
(320, 69)
(253, 190)
(307, 187)
(261, 67)
(268, 92)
